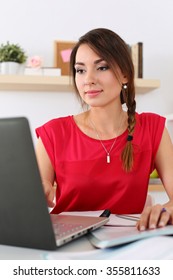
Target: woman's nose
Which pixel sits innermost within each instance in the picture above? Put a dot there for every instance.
(89, 78)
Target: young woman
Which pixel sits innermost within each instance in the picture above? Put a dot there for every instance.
(103, 157)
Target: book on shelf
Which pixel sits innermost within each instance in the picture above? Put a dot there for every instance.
(43, 71)
(137, 58)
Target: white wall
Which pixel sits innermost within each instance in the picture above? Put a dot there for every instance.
(35, 24)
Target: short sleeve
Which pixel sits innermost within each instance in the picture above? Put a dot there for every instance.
(151, 127)
(44, 132)
(156, 126)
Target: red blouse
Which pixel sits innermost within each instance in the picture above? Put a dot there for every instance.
(85, 181)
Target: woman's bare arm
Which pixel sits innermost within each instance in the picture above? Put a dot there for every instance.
(46, 171)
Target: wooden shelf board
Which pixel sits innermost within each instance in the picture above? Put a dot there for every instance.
(35, 83)
(57, 84)
(156, 188)
(146, 85)
(155, 184)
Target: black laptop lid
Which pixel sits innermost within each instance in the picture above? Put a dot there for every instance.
(24, 217)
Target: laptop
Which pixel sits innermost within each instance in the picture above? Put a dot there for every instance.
(25, 220)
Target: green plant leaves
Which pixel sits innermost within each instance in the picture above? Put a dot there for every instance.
(12, 52)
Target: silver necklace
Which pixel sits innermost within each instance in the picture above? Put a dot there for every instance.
(108, 158)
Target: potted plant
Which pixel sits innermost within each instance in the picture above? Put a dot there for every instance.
(12, 58)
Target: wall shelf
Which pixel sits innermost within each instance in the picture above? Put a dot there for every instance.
(156, 185)
(57, 84)
(146, 85)
(34, 83)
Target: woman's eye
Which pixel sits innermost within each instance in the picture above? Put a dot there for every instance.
(103, 68)
(80, 71)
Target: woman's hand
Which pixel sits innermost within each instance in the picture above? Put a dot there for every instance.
(49, 191)
(155, 217)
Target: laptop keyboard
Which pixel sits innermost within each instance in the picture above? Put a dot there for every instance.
(62, 229)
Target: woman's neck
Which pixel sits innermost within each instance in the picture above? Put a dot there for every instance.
(107, 123)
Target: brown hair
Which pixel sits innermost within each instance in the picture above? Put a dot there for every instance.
(109, 46)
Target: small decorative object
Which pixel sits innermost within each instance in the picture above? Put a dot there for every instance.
(34, 66)
(12, 59)
(35, 62)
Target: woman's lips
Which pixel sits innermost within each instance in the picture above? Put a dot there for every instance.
(93, 93)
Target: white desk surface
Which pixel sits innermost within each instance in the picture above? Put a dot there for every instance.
(156, 248)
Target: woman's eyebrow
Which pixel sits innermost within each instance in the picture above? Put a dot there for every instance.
(95, 62)
(79, 63)
(98, 60)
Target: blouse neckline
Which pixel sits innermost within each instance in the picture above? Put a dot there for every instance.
(89, 137)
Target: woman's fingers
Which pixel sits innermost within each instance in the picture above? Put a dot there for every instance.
(51, 197)
(49, 191)
(154, 217)
(165, 217)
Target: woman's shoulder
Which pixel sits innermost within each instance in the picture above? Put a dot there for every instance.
(150, 123)
(60, 121)
(149, 117)
(56, 126)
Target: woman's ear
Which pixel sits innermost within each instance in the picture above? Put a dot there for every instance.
(124, 80)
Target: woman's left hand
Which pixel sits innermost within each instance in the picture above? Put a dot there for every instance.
(155, 217)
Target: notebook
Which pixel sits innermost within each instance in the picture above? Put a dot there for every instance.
(24, 217)
(121, 229)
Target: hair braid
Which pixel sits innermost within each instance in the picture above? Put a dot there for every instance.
(127, 153)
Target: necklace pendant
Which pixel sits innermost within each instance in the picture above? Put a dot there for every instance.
(108, 158)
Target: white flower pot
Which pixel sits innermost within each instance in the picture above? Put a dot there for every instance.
(12, 68)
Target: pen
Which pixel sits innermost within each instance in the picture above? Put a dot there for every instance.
(106, 213)
(128, 217)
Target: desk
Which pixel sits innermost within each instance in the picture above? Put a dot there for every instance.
(80, 254)
(151, 249)
(156, 248)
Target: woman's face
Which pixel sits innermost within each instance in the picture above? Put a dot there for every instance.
(96, 82)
